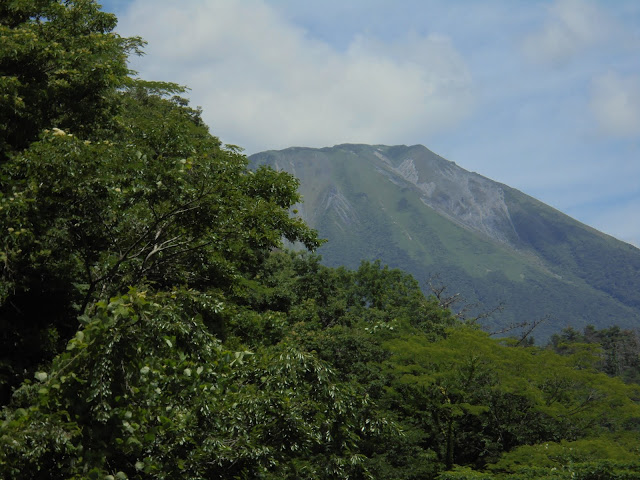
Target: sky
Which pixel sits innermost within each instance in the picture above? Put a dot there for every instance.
(541, 95)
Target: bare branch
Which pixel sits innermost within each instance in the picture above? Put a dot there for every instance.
(449, 301)
(158, 226)
(439, 290)
(533, 325)
(509, 328)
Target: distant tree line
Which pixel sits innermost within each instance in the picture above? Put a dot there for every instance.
(618, 350)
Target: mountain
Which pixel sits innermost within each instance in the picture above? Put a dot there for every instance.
(490, 243)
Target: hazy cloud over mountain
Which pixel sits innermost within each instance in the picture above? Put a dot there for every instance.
(275, 86)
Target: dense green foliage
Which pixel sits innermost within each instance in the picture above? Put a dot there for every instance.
(459, 396)
(152, 326)
(61, 65)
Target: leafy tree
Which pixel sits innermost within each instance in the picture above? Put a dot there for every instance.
(175, 403)
(131, 192)
(60, 65)
(144, 194)
(163, 203)
(605, 457)
(477, 398)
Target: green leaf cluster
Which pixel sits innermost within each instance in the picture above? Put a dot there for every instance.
(61, 66)
(175, 403)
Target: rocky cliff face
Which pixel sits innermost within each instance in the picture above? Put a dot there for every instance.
(465, 198)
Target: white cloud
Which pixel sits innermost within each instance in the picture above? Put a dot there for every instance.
(570, 27)
(615, 102)
(264, 83)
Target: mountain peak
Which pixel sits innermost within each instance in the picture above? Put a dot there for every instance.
(417, 211)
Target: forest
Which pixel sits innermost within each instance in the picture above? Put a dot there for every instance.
(154, 326)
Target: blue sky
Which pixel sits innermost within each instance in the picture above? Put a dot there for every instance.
(543, 96)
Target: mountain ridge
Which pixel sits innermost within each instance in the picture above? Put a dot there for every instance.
(489, 242)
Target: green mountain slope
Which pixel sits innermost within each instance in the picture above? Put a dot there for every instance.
(486, 241)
